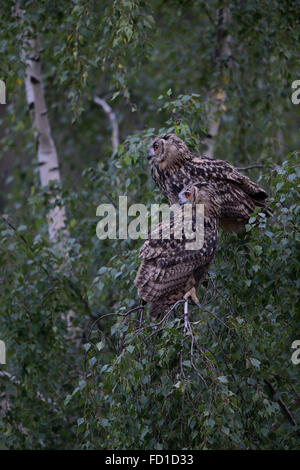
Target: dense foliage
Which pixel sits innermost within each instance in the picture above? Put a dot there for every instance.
(115, 379)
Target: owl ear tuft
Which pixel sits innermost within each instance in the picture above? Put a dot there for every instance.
(167, 136)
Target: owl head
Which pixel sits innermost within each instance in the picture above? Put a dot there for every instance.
(166, 151)
(201, 193)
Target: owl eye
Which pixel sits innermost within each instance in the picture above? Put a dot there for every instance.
(187, 194)
(155, 146)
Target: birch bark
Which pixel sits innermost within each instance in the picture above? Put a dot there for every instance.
(215, 103)
(46, 150)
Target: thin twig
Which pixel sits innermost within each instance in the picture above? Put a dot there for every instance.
(15, 381)
(256, 165)
(281, 403)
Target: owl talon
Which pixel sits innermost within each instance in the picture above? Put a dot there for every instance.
(192, 293)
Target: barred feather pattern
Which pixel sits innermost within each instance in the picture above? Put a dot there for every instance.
(173, 166)
(169, 269)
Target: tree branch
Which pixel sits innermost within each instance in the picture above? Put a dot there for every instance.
(257, 165)
(281, 403)
(113, 121)
(15, 381)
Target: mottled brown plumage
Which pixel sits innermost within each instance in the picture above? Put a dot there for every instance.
(169, 269)
(173, 166)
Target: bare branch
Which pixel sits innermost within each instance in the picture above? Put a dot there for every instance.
(15, 381)
(281, 403)
(113, 121)
(257, 165)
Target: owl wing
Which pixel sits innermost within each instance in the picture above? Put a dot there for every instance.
(168, 267)
(156, 245)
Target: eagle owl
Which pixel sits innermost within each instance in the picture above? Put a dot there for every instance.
(169, 269)
(173, 166)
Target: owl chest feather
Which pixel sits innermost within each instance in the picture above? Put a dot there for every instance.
(172, 181)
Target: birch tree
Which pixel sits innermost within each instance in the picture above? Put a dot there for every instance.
(215, 103)
(46, 149)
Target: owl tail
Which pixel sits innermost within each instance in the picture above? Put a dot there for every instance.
(156, 309)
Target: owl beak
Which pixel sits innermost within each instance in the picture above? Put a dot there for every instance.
(149, 157)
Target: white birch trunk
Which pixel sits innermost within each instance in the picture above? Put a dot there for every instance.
(46, 150)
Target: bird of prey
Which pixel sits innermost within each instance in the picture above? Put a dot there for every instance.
(173, 167)
(171, 270)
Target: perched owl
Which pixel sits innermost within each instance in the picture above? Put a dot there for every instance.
(169, 269)
(173, 167)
